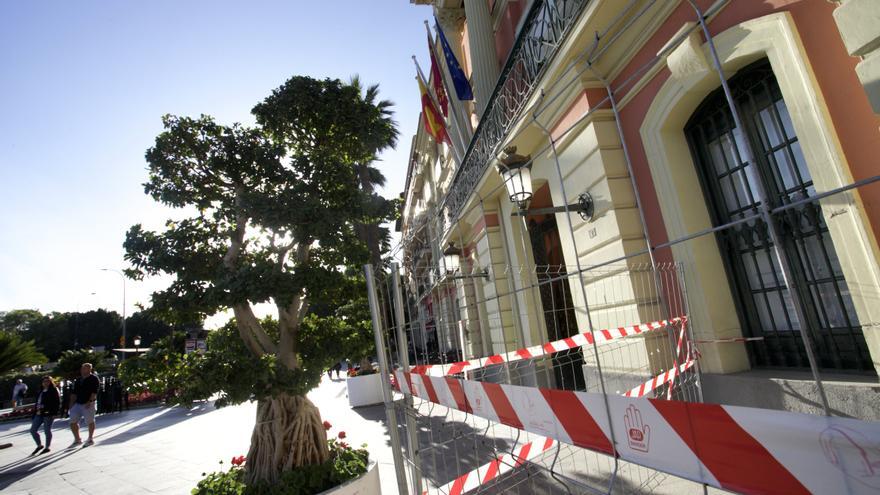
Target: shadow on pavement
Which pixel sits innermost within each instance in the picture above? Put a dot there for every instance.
(163, 418)
(449, 448)
(16, 470)
(144, 421)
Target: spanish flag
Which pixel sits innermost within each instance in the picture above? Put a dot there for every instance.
(433, 120)
(439, 90)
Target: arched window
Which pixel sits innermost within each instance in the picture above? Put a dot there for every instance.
(764, 304)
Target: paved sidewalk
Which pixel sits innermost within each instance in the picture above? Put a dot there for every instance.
(166, 450)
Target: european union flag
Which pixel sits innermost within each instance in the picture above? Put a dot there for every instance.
(459, 80)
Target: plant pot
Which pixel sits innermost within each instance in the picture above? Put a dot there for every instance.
(366, 484)
(364, 390)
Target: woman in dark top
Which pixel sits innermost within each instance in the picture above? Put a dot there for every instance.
(48, 403)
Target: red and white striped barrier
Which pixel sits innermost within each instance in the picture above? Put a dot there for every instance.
(494, 469)
(667, 376)
(679, 346)
(740, 449)
(534, 351)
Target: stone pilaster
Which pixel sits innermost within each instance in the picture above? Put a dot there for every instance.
(481, 42)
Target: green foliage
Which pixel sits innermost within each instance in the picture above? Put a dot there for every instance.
(18, 320)
(222, 483)
(345, 464)
(16, 353)
(54, 333)
(149, 328)
(280, 210)
(160, 370)
(238, 375)
(72, 360)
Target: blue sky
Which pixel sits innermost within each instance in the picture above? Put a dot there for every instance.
(82, 88)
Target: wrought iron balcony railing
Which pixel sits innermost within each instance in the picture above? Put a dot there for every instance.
(544, 30)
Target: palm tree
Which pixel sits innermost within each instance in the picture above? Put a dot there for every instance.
(382, 135)
(16, 353)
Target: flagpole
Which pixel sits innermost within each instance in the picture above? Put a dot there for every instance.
(459, 122)
(450, 79)
(421, 78)
(434, 99)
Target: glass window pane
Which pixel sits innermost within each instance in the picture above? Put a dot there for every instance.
(817, 268)
(787, 126)
(784, 170)
(717, 157)
(742, 185)
(767, 267)
(789, 309)
(752, 271)
(777, 311)
(801, 166)
(835, 262)
(770, 131)
(827, 300)
(763, 313)
(737, 156)
(727, 190)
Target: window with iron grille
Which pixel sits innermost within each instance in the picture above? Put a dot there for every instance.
(764, 303)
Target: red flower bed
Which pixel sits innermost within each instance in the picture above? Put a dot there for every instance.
(21, 412)
(143, 398)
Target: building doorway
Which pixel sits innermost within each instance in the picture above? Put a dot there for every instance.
(556, 300)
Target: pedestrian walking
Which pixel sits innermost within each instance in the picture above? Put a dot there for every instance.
(82, 404)
(117, 396)
(46, 409)
(18, 392)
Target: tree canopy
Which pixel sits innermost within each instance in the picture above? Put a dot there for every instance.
(277, 217)
(55, 332)
(72, 360)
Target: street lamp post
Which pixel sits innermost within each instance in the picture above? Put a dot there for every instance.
(124, 339)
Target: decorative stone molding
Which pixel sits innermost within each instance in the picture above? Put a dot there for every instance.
(450, 18)
(868, 71)
(687, 63)
(859, 24)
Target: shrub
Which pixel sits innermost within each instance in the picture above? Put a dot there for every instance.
(358, 371)
(345, 464)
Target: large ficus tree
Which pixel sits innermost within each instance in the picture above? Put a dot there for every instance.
(273, 219)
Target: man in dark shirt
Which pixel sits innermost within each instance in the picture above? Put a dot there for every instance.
(82, 403)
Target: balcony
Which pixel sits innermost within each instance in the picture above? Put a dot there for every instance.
(547, 24)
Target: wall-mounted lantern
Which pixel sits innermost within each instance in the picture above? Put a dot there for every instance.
(516, 172)
(452, 262)
(452, 258)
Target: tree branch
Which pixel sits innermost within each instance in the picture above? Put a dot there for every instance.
(252, 333)
(236, 239)
(291, 316)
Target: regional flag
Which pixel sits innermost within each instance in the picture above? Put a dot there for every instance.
(433, 121)
(459, 80)
(439, 90)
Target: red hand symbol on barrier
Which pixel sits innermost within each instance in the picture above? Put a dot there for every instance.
(638, 434)
(849, 451)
